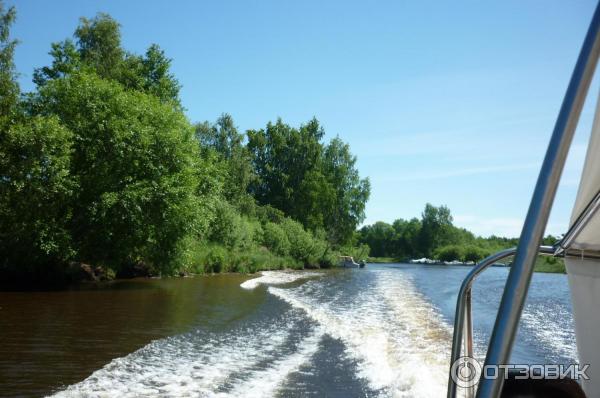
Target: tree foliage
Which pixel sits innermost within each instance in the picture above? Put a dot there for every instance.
(350, 192)
(134, 161)
(226, 142)
(309, 181)
(9, 89)
(433, 236)
(275, 239)
(36, 190)
(100, 165)
(97, 48)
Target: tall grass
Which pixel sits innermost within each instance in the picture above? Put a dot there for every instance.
(213, 258)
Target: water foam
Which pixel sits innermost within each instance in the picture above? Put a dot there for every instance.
(277, 278)
(399, 341)
(395, 338)
(264, 383)
(182, 366)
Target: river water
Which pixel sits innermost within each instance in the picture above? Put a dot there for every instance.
(381, 331)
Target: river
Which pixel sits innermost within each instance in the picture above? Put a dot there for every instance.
(380, 331)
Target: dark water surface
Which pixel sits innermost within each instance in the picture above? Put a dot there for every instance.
(53, 339)
(381, 331)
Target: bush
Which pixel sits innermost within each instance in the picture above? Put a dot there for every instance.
(215, 258)
(329, 259)
(474, 253)
(267, 213)
(275, 239)
(254, 233)
(301, 241)
(449, 253)
(215, 261)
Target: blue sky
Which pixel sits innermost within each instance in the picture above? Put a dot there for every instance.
(443, 102)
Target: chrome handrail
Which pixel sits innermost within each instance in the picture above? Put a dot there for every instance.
(519, 277)
(463, 321)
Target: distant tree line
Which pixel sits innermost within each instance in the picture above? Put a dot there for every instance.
(100, 165)
(433, 236)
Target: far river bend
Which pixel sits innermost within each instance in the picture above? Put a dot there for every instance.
(383, 331)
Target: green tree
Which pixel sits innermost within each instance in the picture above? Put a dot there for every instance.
(229, 228)
(65, 60)
(275, 239)
(223, 138)
(98, 49)
(315, 184)
(99, 42)
(449, 253)
(36, 190)
(351, 192)
(302, 244)
(379, 237)
(436, 228)
(474, 253)
(9, 89)
(151, 74)
(406, 239)
(136, 164)
(284, 159)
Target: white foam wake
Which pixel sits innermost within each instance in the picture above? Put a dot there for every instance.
(266, 382)
(398, 340)
(182, 367)
(277, 278)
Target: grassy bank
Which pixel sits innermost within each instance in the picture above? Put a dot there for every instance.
(550, 264)
(207, 259)
(383, 260)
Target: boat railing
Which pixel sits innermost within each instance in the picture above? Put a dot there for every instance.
(463, 320)
(519, 277)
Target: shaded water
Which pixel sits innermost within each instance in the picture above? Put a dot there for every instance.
(381, 331)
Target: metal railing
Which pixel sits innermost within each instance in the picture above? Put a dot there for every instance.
(463, 320)
(519, 277)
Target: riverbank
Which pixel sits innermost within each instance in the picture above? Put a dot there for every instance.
(543, 264)
(200, 259)
(280, 334)
(383, 260)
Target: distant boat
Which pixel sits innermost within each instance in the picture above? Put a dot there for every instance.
(423, 260)
(348, 262)
(454, 262)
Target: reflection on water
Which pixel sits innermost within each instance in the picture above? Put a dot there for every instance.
(381, 331)
(53, 339)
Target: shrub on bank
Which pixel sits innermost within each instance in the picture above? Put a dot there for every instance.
(474, 253)
(213, 258)
(275, 239)
(449, 253)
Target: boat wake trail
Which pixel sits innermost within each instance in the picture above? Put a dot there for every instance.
(397, 339)
(277, 278)
(250, 362)
(390, 342)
